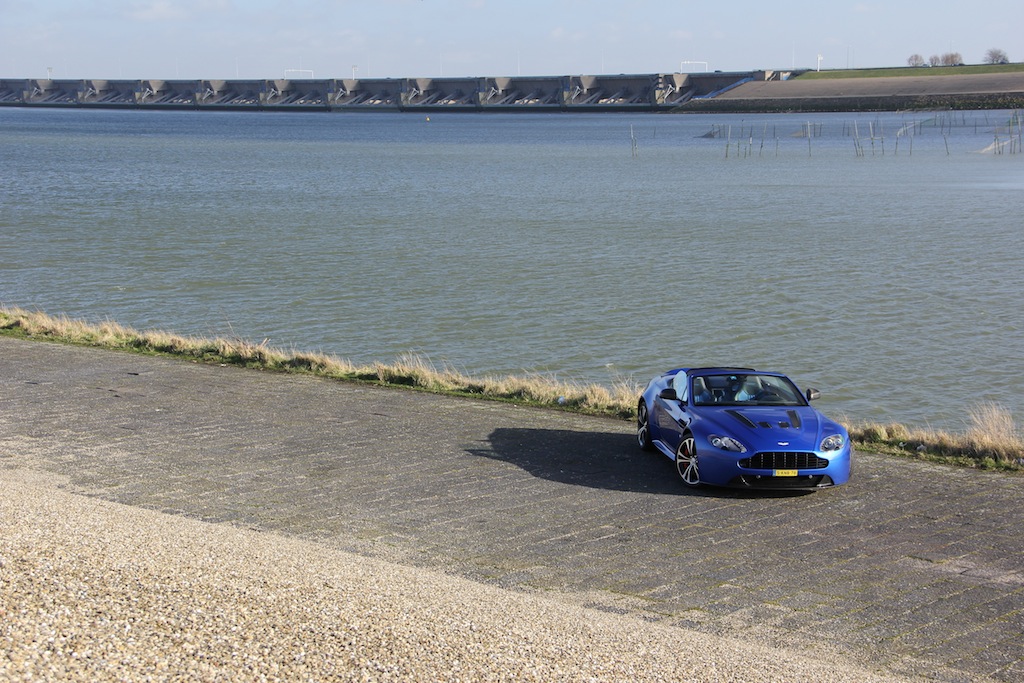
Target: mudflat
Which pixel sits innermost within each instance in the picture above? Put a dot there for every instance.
(164, 518)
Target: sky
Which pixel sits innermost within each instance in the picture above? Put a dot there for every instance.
(268, 39)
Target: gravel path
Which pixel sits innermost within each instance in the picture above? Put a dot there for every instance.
(94, 590)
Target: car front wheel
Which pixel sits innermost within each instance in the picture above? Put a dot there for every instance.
(686, 461)
(643, 426)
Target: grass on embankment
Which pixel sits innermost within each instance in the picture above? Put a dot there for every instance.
(992, 441)
(915, 71)
(409, 371)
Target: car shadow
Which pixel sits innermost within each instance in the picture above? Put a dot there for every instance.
(599, 460)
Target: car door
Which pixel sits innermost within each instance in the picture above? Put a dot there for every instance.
(672, 418)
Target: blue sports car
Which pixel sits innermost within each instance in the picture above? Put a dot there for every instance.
(743, 428)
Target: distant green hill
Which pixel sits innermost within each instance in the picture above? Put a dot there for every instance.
(912, 71)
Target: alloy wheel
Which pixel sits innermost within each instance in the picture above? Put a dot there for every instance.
(686, 461)
(643, 426)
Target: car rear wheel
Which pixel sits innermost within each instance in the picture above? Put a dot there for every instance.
(643, 426)
(686, 461)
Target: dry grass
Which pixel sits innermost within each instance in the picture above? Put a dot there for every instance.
(991, 440)
(409, 370)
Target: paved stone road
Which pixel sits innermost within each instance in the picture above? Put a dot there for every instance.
(913, 567)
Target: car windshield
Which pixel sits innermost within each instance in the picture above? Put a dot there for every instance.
(744, 389)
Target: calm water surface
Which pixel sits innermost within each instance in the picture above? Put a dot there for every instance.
(892, 279)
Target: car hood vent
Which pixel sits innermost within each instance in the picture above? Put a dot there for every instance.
(792, 423)
(742, 418)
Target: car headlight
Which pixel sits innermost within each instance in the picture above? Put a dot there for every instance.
(833, 443)
(726, 443)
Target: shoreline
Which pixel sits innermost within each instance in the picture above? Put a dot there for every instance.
(992, 442)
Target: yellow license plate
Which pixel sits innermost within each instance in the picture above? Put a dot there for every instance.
(786, 473)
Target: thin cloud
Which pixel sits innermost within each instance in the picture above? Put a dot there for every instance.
(159, 10)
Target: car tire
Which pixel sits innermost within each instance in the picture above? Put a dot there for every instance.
(687, 465)
(643, 426)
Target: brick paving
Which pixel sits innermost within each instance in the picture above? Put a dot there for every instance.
(913, 568)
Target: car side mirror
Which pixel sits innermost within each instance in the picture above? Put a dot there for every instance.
(669, 394)
(813, 394)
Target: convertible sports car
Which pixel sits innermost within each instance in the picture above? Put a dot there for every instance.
(743, 428)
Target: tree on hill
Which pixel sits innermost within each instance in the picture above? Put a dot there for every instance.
(996, 56)
(947, 59)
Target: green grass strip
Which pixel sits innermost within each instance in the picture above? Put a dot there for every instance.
(915, 71)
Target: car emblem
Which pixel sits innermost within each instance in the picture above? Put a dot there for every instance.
(783, 443)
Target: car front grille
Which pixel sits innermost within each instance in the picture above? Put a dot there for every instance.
(782, 460)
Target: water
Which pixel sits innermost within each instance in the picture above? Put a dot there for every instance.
(497, 244)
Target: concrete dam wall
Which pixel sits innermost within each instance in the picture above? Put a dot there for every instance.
(644, 92)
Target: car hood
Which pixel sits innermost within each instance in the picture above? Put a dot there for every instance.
(768, 427)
